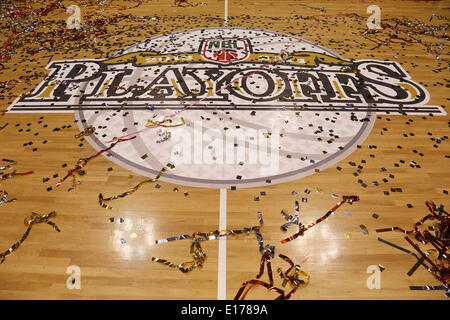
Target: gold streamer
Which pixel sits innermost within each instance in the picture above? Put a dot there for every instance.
(161, 123)
(102, 200)
(74, 183)
(30, 221)
(86, 132)
(197, 253)
(196, 250)
(295, 278)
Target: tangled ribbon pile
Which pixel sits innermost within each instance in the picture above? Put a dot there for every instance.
(196, 250)
(440, 241)
(293, 275)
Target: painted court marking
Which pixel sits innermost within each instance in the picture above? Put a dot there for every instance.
(222, 256)
(225, 16)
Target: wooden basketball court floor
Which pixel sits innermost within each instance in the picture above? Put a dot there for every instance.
(113, 249)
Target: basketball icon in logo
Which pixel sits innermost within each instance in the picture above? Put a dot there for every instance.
(236, 107)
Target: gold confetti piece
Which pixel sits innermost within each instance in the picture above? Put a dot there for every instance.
(130, 176)
(348, 236)
(133, 235)
(86, 132)
(102, 200)
(30, 221)
(111, 220)
(318, 189)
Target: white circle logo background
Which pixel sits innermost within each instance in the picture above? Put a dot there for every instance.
(302, 140)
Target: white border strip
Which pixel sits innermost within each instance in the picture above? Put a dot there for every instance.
(222, 255)
(225, 16)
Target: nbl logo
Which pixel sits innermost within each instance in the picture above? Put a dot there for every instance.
(225, 50)
(243, 104)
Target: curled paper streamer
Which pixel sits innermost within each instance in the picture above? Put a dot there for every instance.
(184, 236)
(404, 250)
(440, 241)
(291, 219)
(302, 228)
(196, 250)
(206, 236)
(74, 183)
(260, 218)
(265, 260)
(30, 221)
(8, 166)
(82, 162)
(102, 200)
(428, 288)
(86, 132)
(440, 271)
(14, 173)
(185, 267)
(415, 266)
(151, 123)
(293, 277)
(4, 197)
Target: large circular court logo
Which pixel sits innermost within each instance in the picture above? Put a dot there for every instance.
(235, 107)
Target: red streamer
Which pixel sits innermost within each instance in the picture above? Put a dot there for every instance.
(302, 228)
(83, 162)
(440, 241)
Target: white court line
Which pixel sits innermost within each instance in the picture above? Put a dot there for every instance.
(222, 256)
(225, 16)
